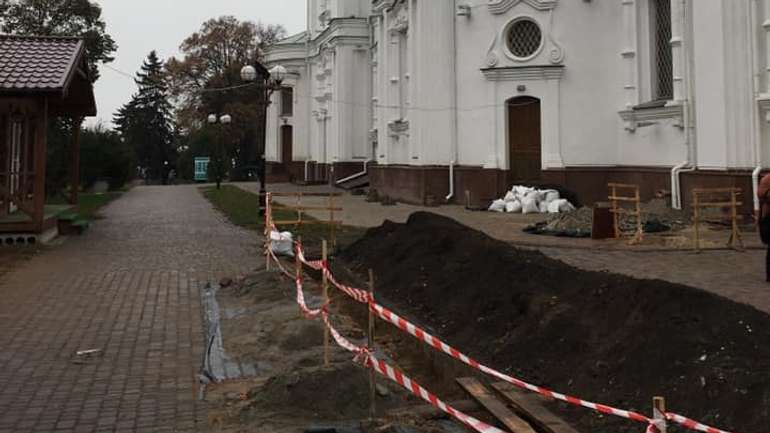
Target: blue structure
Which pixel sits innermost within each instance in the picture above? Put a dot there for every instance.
(202, 169)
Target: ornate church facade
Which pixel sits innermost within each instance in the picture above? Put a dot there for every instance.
(445, 100)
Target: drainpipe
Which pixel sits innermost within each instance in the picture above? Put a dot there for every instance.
(690, 164)
(357, 175)
(451, 181)
(455, 130)
(756, 85)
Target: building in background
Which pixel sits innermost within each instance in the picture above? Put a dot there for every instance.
(456, 96)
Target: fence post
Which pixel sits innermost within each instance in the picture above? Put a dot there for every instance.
(372, 384)
(659, 413)
(325, 288)
(268, 230)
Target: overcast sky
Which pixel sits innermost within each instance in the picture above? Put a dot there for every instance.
(140, 26)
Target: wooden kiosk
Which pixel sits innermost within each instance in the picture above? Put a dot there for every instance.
(40, 78)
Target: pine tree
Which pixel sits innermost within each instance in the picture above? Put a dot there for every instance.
(146, 121)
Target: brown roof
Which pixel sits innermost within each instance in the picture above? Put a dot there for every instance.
(32, 63)
(55, 66)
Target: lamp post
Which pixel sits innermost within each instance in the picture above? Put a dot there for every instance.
(269, 84)
(218, 158)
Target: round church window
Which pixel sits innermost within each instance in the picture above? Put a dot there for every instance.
(524, 38)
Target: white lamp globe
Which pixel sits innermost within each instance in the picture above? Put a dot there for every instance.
(212, 119)
(278, 73)
(248, 73)
(225, 119)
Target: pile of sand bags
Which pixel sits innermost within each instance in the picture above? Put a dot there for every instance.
(527, 200)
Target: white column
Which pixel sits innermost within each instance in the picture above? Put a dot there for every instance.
(677, 50)
(629, 53)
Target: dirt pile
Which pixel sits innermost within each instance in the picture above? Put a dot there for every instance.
(599, 336)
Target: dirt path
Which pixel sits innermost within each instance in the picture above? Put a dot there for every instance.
(130, 286)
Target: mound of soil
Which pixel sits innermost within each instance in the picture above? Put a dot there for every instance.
(337, 393)
(605, 337)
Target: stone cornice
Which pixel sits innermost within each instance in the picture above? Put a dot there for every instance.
(502, 6)
(524, 73)
(639, 116)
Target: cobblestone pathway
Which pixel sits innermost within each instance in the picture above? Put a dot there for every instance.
(130, 286)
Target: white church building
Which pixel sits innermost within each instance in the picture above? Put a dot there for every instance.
(440, 100)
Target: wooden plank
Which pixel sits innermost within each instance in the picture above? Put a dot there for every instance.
(530, 407)
(305, 208)
(622, 185)
(305, 194)
(716, 190)
(629, 199)
(497, 408)
(719, 204)
(426, 411)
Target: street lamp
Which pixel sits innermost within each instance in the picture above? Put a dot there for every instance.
(271, 83)
(217, 158)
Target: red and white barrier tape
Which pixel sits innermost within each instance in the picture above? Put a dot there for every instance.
(279, 264)
(359, 295)
(439, 345)
(410, 385)
(363, 296)
(692, 424)
(364, 356)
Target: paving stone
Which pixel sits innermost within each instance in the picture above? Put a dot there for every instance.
(131, 287)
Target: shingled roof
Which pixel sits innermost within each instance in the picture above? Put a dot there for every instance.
(54, 66)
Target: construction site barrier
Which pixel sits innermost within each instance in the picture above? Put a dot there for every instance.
(656, 424)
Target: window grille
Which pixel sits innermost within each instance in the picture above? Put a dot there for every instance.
(524, 38)
(664, 65)
(287, 102)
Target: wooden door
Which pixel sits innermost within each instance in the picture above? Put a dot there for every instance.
(524, 138)
(287, 144)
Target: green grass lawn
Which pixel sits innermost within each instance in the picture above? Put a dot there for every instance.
(89, 204)
(242, 209)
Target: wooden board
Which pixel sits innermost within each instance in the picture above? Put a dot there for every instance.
(496, 407)
(530, 407)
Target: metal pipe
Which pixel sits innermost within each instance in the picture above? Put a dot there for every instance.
(455, 128)
(357, 175)
(755, 188)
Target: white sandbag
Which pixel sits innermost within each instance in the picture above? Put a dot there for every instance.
(553, 207)
(497, 206)
(551, 195)
(510, 197)
(542, 206)
(566, 206)
(282, 244)
(513, 207)
(529, 205)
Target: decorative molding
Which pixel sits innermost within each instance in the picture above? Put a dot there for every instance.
(498, 7)
(400, 24)
(524, 73)
(635, 118)
(556, 53)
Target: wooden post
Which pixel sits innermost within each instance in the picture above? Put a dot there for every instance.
(325, 288)
(331, 222)
(615, 214)
(40, 152)
(299, 209)
(75, 162)
(659, 413)
(696, 218)
(268, 230)
(372, 383)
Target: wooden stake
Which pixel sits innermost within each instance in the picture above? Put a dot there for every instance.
(268, 230)
(372, 384)
(696, 219)
(331, 223)
(325, 288)
(659, 412)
